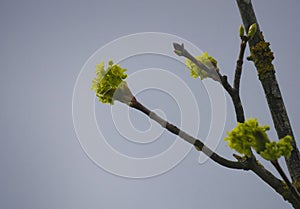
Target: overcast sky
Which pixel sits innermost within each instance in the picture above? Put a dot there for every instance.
(44, 46)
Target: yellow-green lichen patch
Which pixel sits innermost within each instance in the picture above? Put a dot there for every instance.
(262, 56)
(297, 185)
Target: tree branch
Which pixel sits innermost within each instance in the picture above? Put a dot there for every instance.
(279, 186)
(276, 164)
(217, 76)
(181, 51)
(242, 163)
(270, 85)
(290, 193)
(239, 63)
(188, 138)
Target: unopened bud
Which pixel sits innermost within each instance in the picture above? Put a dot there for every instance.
(252, 31)
(241, 30)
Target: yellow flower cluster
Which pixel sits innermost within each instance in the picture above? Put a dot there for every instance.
(250, 135)
(109, 84)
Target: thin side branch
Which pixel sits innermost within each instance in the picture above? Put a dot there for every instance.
(181, 51)
(276, 164)
(239, 63)
(234, 94)
(275, 183)
(196, 142)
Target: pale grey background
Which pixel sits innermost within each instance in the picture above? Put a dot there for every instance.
(44, 44)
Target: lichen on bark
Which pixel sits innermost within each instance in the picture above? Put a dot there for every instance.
(262, 56)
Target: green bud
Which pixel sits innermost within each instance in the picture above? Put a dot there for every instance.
(110, 63)
(241, 30)
(252, 31)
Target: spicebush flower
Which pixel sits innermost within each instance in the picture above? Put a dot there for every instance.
(205, 59)
(250, 134)
(275, 150)
(109, 84)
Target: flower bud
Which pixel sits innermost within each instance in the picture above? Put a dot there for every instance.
(241, 30)
(252, 31)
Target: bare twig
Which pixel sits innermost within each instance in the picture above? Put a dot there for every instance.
(196, 142)
(275, 183)
(276, 164)
(239, 63)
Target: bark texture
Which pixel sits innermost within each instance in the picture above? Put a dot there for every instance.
(260, 50)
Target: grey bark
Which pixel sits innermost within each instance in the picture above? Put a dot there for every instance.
(273, 94)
